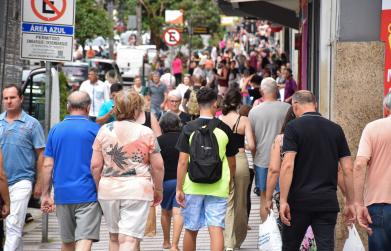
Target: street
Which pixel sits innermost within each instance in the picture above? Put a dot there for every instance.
(32, 238)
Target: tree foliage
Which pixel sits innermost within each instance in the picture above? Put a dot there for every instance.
(204, 13)
(91, 21)
(126, 8)
(63, 94)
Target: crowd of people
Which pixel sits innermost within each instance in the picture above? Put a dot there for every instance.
(194, 143)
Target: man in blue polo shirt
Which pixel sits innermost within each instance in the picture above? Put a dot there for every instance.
(68, 160)
(22, 142)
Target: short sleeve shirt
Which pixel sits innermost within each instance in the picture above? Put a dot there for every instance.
(97, 93)
(19, 141)
(106, 108)
(157, 93)
(126, 148)
(375, 145)
(319, 144)
(254, 93)
(70, 146)
(226, 149)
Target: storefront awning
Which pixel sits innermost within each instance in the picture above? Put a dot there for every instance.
(284, 12)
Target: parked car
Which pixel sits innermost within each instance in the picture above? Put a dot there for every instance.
(33, 86)
(76, 73)
(103, 66)
(129, 60)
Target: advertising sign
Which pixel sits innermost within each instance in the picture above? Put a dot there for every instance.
(386, 38)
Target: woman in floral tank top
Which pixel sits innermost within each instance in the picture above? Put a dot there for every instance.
(128, 171)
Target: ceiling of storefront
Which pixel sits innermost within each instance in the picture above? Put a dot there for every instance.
(284, 12)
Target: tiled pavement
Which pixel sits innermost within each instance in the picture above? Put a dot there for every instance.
(32, 236)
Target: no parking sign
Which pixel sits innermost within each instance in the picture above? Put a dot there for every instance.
(48, 29)
(172, 36)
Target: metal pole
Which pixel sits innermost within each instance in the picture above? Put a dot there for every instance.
(48, 101)
(190, 30)
(143, 70)
(139, 23)
(110, 9)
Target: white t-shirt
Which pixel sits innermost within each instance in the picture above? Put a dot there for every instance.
(98, 95)
(182, 88)
(107, 88)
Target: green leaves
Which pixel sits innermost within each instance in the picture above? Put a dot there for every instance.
(204, 13)
(91, 21)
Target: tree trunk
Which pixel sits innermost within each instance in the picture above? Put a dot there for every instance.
(155, 36)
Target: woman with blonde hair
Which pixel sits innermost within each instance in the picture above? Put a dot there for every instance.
(128, 171)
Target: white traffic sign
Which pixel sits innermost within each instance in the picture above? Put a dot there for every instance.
(60, 12)
(172, 36)
(48, 29)
(46, 47)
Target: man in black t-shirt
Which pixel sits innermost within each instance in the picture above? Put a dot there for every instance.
(255, 92)
(313, 146)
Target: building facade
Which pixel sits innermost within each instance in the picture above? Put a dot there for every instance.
(10, 62)
(341, 56)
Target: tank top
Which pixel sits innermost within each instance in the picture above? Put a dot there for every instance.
(237, 138)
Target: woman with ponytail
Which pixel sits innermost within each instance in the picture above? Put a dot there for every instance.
(237, 217)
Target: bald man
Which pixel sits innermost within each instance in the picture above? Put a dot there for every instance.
(68, 159)
(313, 147)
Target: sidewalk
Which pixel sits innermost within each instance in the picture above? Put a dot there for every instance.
(32, 236)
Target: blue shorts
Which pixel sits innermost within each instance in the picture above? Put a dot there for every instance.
(261, 178)
(169, 192)
(204, 210)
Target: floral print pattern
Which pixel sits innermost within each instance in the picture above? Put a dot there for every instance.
(126, 147)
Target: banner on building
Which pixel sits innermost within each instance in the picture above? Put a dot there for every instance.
(174, 17)
(385, 34)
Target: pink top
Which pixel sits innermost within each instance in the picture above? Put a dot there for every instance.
(177, 66)
(376, 147)
(218, 113)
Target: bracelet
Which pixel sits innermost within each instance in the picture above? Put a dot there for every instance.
(159, 190)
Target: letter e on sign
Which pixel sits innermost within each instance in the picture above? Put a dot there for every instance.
(172, 36)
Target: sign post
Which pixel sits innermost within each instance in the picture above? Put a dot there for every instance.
(172, 37)
(48, 95)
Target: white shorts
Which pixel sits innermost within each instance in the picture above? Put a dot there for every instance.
(128, 217)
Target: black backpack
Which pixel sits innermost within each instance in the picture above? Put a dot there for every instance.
(205, 165)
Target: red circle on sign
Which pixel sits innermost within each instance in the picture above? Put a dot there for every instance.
(170, 43)
(59, 13)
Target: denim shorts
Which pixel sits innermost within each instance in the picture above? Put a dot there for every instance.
(204, 210)
(169, 192)
(261, 178)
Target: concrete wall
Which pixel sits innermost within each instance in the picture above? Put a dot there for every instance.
(356, 95)
(10, 63)
(359, 20)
